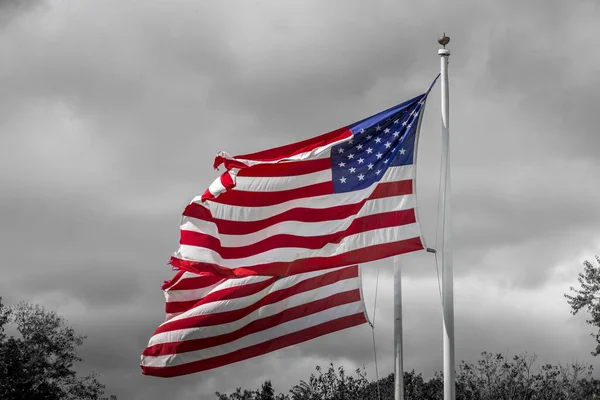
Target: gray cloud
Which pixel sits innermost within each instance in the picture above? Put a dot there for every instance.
(110, 117)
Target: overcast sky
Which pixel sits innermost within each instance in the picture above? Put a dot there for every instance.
(111, 113)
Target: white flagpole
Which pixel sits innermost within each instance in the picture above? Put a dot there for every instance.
(444, 242)
(398, 364)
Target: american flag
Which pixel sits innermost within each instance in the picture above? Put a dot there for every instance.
(342, 198)
(212, 321)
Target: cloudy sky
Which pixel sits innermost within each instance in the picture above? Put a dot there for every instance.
(111, 113)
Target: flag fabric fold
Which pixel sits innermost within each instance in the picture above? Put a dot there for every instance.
(212, 321)
(342, 198)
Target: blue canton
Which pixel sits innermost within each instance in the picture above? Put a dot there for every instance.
(378, 142)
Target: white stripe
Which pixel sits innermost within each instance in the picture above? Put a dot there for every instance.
(216, 188)
(169, 316)
(298, 299)
(269, 184)
(399, 173)
(286, 328)
(371, 207)
(352, 242)
(231, 283)
(186, 275)
(236, 304)
(239, 213)
(314, 154)
(174, 296)
(190, 294)
(224, 284)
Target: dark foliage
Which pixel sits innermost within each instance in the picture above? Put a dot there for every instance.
(332, 385)
(588, 297)
(266, 392)
(37, 363)
(496, 376)
(493, 377)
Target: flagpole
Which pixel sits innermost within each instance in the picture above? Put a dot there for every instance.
(398, 364)
(444, 242)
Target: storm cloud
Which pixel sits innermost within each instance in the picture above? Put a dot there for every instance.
(111, 114)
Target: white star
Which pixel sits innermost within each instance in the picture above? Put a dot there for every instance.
(361, 160)
(396, 121)
(350, 156)
(340, 150)
(352, 170)
(404, 123)
(402, 151)
(416, 114)
(360, 146)
(386, 130)
(351, 141)
(343, 180)
(396, 134)
(377, 128)
(342, 164)
(369, 137)
(377, 140)
(378, 172)
(362, 131)
(385, 161)
(370, 166)
(409, 125)
(361, 177)
(387, 145)
(369, 150)
(379, 155)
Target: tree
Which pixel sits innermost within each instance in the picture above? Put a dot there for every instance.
(332, 385)
(266, 392)
(415, 387)
(493, 377)
(588, 296)
(39, 363)
(497, 377)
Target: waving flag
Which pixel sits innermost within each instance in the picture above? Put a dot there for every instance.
(213, 322)
(341, 198)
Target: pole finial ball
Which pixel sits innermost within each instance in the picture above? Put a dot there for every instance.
(444, 40)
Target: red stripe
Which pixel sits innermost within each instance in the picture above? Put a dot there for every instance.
(229, 293)
(359, 225)
(236, 292)
(178, 275)
(207, 195)
(290, 150)
(293, 168)
(245, 198)
(227, 181)
(258, 325)
(196, 210)
(191, 283)
(259, 349)
(388, 189)
(301, 214)
(175, 307)
(270, 298)
(282, 268)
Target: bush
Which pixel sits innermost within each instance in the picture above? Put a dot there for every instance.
(493, 377)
